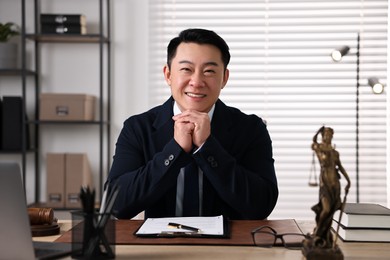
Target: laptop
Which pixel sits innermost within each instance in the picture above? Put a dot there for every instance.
(15, 231)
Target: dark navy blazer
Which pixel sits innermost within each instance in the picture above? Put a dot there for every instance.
(239, 176)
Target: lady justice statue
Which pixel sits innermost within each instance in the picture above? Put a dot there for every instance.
(320, 244)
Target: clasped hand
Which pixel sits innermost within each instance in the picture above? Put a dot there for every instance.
(192, 128)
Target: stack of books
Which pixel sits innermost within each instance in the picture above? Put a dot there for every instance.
(63, 24)
(364, 222)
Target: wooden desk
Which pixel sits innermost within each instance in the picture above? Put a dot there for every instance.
(351, 250)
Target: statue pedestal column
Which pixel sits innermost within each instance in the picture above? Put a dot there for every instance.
(313, 252)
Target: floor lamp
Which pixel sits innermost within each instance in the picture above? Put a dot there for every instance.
(377, 88)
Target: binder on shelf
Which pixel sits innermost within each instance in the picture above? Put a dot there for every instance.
(63, 19)
(12, 124)
(63, 24)
(63, 29)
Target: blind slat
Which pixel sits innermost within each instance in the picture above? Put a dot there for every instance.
(281, 70)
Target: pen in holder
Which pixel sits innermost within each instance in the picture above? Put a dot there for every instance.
(93, 233)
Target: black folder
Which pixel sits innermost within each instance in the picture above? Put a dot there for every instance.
(12, 124)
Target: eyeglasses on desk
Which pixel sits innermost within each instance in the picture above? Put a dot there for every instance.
(266, 236)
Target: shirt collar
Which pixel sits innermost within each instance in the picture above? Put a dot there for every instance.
(176, 110)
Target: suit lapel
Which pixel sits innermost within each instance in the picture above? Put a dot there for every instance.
(221, 127)
(221, 124)
(163, 125)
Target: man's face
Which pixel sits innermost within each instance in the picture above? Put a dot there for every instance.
(196, 76)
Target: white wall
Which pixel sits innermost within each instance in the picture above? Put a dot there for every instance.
(129, 63)
(130, 60)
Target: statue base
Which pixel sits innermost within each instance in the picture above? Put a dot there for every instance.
(313, 252)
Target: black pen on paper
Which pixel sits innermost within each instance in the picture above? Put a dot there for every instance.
(180, 226)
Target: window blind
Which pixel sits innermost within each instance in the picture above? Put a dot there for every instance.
(281, 70)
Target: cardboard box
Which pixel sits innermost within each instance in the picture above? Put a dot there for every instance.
(64, 107)
(55, 172)
(78, 174)
(66, 174)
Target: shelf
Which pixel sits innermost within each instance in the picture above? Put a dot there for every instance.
(41, 122)
(67, 38)
(16, 72)
(16, 151)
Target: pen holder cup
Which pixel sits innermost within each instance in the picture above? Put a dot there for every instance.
(93, 235)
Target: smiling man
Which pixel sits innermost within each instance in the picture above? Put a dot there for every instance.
(193, 155)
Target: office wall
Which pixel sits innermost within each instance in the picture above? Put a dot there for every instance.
(130, 58)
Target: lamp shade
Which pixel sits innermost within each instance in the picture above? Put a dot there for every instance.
(376, 86)
(337, 54)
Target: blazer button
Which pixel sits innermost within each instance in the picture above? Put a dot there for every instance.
(212, 161)
(166, 162)
(171, 157)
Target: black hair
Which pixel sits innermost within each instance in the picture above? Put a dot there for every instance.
(200, 36)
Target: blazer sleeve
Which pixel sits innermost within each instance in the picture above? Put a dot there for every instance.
(143, 177)
(241, 169)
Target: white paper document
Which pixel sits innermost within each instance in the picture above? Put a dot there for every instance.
(186, 225)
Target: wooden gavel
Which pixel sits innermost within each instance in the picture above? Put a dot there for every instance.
(41, 216)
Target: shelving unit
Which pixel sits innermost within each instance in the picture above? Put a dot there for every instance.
(22, 73)
(102, 39)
